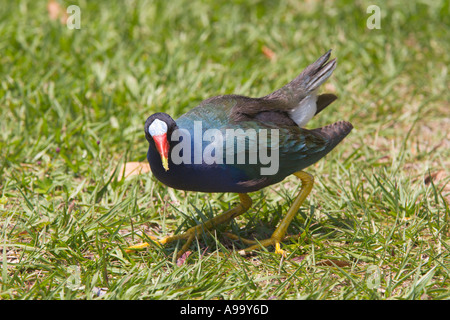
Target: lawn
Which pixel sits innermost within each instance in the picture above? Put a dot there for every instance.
(73, 106)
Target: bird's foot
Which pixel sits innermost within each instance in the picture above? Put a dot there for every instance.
(144, 245)
(193, 232)
(265, 243)
(189, 236)
(272, 241)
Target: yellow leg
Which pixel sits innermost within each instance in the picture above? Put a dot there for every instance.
(280, 231)
(191, 233)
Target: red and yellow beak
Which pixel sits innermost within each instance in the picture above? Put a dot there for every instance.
(162, 145)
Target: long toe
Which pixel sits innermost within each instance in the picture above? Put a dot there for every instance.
(263, 244)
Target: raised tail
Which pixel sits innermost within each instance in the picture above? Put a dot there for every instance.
(315, 74)
(299, 96)
(306, 82)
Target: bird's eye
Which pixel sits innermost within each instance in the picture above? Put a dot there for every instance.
(157, 128)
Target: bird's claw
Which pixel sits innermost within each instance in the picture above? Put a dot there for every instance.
(259, 244)
(144, 245)
(279, 250)
(189, 236)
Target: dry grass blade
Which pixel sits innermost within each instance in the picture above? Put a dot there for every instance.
(129, 169)
(56, 11)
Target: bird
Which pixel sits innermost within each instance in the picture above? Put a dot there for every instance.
(223, 146)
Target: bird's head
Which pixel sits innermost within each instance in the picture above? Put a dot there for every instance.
(158, 129)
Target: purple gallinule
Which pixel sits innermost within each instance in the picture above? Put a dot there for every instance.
(223, 145)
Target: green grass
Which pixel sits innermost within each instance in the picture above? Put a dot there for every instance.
(73, 105)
